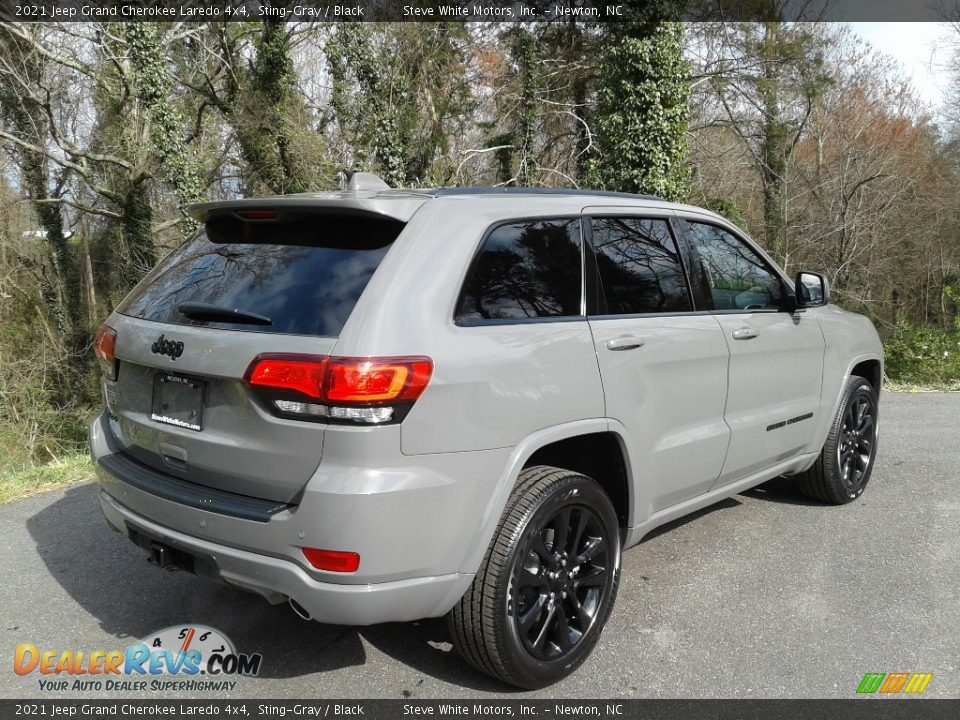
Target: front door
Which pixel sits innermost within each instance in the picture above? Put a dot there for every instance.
(776, 356)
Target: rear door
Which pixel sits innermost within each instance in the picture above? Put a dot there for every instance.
(663, 365)
(179, 402)
(776, 357)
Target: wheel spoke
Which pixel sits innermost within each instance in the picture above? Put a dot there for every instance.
(561, 530)
(594, 547)
(865, 423)
(540, 548)
(545, 628)
(582, 520)
(564, 642)
(532, 613)
(845, 468)
(528, 578)
(848, 420)
(594, 577)
(583, 619)
(858, 413)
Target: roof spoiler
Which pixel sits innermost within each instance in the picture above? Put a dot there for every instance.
(367, 194)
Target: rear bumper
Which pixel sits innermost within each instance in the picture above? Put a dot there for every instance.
(278, 579)
(412, 523)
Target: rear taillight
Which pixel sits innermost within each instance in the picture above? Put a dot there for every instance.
(364, 391)
(104, 347)
(297, 373)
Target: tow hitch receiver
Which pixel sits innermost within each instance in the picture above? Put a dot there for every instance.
(160, 556)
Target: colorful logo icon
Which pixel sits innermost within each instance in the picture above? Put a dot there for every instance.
(894, 683)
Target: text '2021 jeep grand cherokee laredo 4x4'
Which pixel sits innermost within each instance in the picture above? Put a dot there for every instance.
(386, 405)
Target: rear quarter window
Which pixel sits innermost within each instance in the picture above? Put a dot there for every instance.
(305, 274)
(525, 269)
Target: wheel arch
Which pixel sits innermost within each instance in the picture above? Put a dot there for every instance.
(872, 370)
(572, 442)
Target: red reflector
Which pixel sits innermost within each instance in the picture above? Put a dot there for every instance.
(301, 373)
(258, 214)
(333, 560)
(374, 380)
(104, 347)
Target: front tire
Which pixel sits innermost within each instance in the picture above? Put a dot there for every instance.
(843, 469)
(547, 584)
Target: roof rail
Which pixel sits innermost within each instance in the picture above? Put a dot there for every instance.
(441, 192)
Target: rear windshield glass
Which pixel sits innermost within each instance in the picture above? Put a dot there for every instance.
(304, 274)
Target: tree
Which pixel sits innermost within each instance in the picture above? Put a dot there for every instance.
(766, 77)
(399, 118)
(27, 113)
(642, 111)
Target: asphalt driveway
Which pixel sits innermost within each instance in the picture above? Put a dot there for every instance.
(765, 595)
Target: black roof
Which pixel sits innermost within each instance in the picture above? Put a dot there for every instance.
(503, 190)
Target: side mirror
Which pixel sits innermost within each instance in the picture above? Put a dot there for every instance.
(811, 289)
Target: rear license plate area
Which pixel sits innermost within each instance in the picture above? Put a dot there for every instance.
(178, 401)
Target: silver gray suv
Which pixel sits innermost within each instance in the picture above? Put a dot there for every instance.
(385, 405)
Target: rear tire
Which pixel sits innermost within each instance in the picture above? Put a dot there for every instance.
(547, 584)
(843, 469)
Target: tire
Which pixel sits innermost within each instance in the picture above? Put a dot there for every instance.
(506, 624)
(843, 469)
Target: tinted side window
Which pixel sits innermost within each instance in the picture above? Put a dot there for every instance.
(738, 279)
(640, 267)
(525, 269)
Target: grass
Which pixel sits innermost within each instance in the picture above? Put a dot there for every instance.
(906, 387)
(70, 470)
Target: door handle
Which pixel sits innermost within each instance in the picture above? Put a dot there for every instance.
(624, 342)
(744, 334)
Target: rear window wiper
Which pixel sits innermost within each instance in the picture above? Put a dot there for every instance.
(221, 313)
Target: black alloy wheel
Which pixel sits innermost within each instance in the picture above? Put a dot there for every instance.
(547, 583)
(843, 468)
(559, 581)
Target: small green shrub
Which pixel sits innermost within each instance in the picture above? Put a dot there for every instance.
(924, 356)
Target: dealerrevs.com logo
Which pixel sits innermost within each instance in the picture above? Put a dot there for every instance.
(186, 658)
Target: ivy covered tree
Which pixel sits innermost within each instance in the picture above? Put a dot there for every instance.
(153, 87)
(640, 133)
(398, 118)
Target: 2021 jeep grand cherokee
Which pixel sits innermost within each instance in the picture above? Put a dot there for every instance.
(386, 405)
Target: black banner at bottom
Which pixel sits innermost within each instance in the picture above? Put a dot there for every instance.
(853, 709)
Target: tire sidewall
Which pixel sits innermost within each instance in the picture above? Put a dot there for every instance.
(529, 671)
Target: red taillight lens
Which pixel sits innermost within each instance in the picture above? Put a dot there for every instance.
(354, 390)
(104, 347)
(299, 373)
(377, 380)
(332, 560)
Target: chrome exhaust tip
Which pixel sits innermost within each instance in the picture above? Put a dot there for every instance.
(299, 609)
